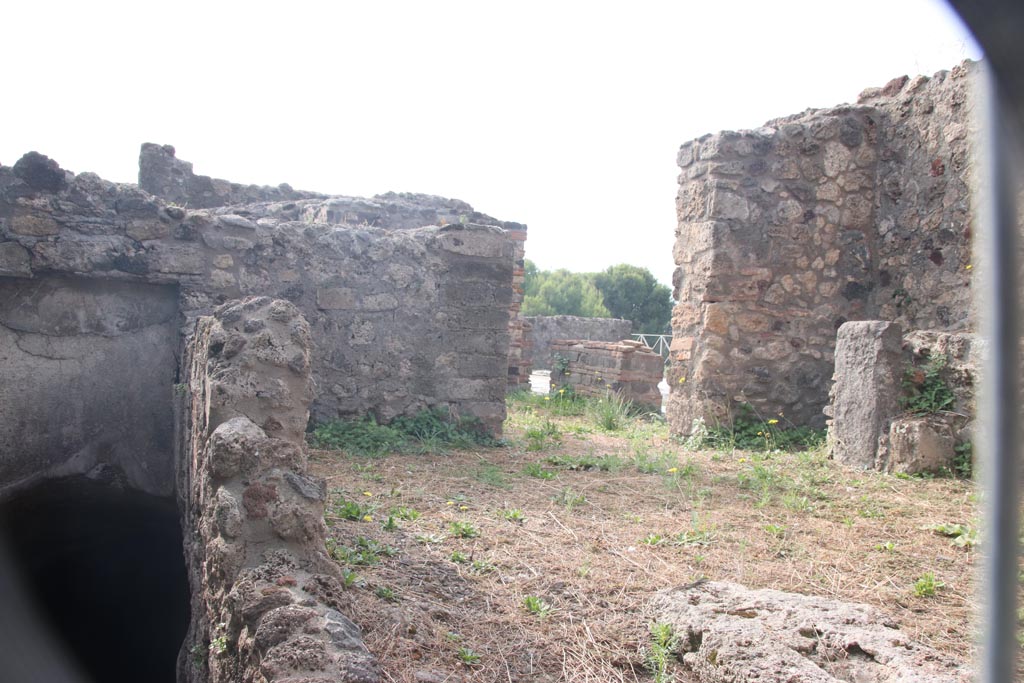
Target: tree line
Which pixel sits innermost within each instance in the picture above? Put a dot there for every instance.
(621, 291)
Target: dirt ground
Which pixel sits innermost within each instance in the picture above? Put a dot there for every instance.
(535, 561)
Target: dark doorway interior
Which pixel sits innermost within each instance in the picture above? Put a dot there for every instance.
(105, 568)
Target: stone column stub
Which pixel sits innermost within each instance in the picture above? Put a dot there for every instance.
(866, 390)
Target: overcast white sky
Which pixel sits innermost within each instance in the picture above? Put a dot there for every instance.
(562, 115)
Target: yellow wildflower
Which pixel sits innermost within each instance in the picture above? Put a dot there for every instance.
(682, 379)
(547, 398)
(968, 266)
(773, 421)
(673, 469)
(463, 507)
(450, 502)
(367, 518)
(367, 494)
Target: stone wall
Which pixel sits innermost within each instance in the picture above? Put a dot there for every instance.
(165, 176)
(788, 231)
(403, 318)
(266, 600)
(593, 368)
(546, 328)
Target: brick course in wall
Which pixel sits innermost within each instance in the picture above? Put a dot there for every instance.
(546, 328)
(593, 368)
(788, 231)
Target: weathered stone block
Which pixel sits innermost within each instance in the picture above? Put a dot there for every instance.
(865, 393)
(729, 633)
(919, 444)
(14, 260)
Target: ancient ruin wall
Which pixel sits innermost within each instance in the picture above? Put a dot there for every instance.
(266, 600)
(162, 174)
(403, 319)
(546, 328)
(788, 231)
(595, 368)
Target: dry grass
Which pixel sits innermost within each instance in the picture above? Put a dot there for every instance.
(794, 522)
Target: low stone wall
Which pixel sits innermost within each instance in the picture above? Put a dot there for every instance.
(877, 369)
(547, 328)
(266, 600)
(593, 368)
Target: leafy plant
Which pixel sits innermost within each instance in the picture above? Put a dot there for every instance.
(405, 513)
(365, 551)
(467, 656)
(386, 593)
(663, 644)
(776, 530)
(350, 510)
(963, 460)
(535, 469)
(350, 579)
(927, 585)
(427, 539)
(481, 567)
(961, 535)
(513, 515)
(653, 539)
(570, 499)
(925, 389)
(536, 606)
(458, 557)
(463, 529)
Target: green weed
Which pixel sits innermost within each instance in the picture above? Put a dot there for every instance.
(663, 644)
(428, 431)
(925, 389)
(535, 469)
(467, 656)
(927, 585)
(570, 499)
(462, 529)
(536, 606)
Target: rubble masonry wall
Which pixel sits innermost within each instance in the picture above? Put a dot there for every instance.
(788, 231)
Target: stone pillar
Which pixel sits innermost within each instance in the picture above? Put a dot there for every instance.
(865, 393)
(519, 353)
(264, 592)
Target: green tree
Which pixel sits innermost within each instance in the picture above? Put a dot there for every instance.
(560, 292)
(633, 293)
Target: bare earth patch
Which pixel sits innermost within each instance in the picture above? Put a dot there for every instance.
(538, 565)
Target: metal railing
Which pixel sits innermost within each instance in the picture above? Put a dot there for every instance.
(660, 343)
